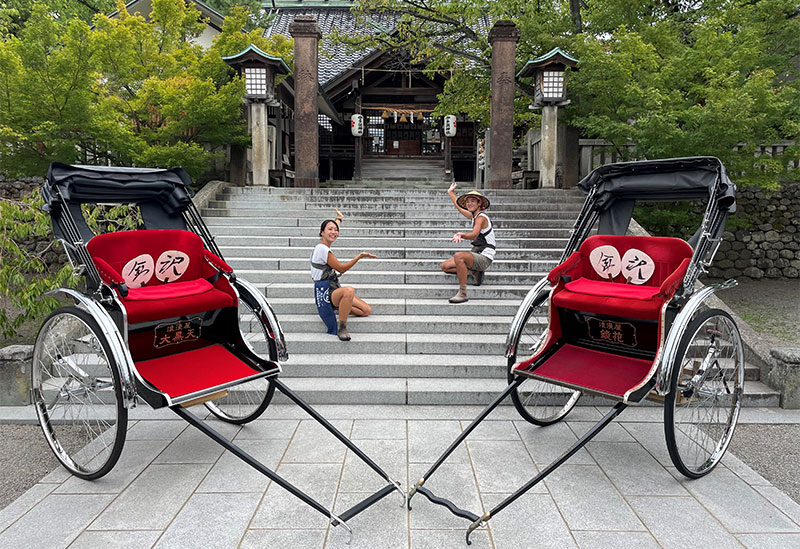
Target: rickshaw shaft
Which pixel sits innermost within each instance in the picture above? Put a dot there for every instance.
(333, 430)
(580, 443)
(250, 460)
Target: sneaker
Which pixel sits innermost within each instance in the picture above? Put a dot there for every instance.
(460, 297)
(343, 334)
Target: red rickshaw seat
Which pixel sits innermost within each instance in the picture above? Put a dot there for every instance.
(192, 293)
(586, 291)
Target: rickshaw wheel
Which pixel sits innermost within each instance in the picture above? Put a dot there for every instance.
(537, 401)
(246, 402)
(77, 393)
(702, 406)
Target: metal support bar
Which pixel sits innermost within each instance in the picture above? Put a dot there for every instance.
(251, 461)
(368, 502)
(580, 443)
(294, 397)
(495, 403)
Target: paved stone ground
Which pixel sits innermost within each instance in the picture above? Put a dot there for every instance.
(174, 488)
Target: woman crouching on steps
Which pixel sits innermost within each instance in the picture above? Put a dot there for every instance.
(325, 266)
(471, 205)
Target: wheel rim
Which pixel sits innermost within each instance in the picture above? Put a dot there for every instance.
(245, 399)
(74, 392)
(544, 402)
(708, 394)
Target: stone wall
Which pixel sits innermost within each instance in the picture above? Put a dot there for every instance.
(771, 247)
(17, 189)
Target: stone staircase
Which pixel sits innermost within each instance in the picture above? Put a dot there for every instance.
(396, 168)
(416, 348)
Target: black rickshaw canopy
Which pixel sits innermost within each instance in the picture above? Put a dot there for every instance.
(618, 186)
(163, 195)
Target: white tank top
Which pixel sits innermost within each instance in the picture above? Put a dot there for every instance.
(488, 234)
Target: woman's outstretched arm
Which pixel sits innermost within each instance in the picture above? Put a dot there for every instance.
(342, 268)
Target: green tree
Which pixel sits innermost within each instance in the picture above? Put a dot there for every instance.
(656, 79)
(46, 90)
(15, 13)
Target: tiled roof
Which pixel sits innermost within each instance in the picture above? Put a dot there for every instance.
(336, 58)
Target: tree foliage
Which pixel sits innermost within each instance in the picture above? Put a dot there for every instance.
(128, 91)
(656, 79)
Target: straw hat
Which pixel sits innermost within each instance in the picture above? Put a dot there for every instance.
(462, 200)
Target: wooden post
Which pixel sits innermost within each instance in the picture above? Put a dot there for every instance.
(503, 39)
(306, 34)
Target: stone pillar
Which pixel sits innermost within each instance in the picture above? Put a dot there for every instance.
(503, 38)
(306, 34)
(548, 147)
(569, 153)
(258, 132)
(15, 375)
(785, 376)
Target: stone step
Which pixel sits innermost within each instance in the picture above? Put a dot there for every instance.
(393, 192)
(358, 208)
(404, 324)
(439, 254)
(388, 306)
(458, 391)
(365, 342)
(398, 204)
(360, 277)
(253, 237)
(386, 264)
(384, 231)
(410, 291)
(372, 219)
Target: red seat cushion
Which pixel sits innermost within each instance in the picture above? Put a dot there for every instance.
(605, 305)
(612, 289)
(157, 309)
(169, 291)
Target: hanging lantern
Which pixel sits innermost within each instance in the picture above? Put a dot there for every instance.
(384, 114)
(403, 119)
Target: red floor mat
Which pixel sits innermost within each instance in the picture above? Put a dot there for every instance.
(596, 370)
(195, 370)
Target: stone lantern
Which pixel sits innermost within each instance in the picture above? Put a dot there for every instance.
(258, 70)
(549, 94)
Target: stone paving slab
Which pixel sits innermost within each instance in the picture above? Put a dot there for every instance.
(173, 489)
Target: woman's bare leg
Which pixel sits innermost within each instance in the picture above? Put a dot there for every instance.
(463, 262)
(360, 307)
(343, 299)
(449, 266)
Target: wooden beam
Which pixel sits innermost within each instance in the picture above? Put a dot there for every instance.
(374, 90)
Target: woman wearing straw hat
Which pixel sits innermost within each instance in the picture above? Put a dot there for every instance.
(472, 206)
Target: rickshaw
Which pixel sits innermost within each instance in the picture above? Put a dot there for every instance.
(163, 320)
(622, 318)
